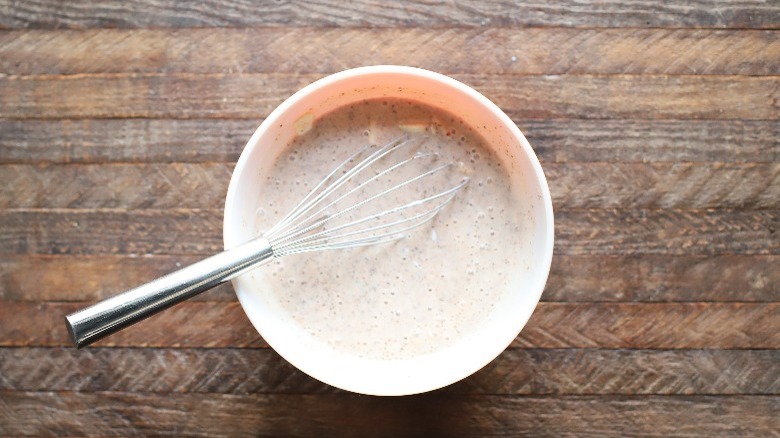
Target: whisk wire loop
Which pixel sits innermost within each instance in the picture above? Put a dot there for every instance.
(307, 227)
(315, 196)
(316, 219)
(313, 242)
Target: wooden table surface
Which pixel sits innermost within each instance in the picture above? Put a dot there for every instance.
(656, 123)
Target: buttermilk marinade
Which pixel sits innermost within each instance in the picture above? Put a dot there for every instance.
(415, 295)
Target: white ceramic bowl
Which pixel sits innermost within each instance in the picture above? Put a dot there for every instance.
(447, 365)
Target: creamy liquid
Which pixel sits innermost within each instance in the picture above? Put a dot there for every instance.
(415, 295)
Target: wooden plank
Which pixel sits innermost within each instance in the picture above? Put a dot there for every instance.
(234, 13)
(124, 414)
(254, 95)
(491, 51)
(179, 96)
(141, 232)
(587, 278)
(674, 232)
(514, 372)
(572, 185)
(89, 278)
(652, 185)
(639, 97)
(229, 371)
(138, 140)
(221, 140)
(577, 232)
(187, 96)
(177, 185)
(191, 324)
(652, 325)
(628, 372)
(553, 325)
(657, 140)
(643, 278)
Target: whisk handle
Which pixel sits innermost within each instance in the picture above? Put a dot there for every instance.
(113, 314)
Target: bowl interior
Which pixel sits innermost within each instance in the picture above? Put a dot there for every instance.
(447, 365)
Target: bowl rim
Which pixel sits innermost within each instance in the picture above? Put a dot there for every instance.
(231, 237)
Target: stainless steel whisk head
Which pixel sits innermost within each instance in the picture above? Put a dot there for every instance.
(345, 210)
(310, 226)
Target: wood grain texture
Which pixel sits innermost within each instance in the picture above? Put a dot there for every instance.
(126, 186)
(652, 325)
(649, 278)
(221, 140)
(572, 185)
(134, 140)
(588, 278)
(578, 232)
(132, 414)
(627, 372)
(192, 324)
(367, 13)
(514, 372)
(254, 95)
(653, 141)
(148, 96)
(90, 278)
(675, 232)
(141, 232)
(553, 325)
(639, 97)
(665, 186)
(328, 50)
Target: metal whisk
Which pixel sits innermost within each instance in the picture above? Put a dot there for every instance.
(332, 216)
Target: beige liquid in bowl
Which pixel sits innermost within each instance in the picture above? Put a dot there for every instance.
(416, 295)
